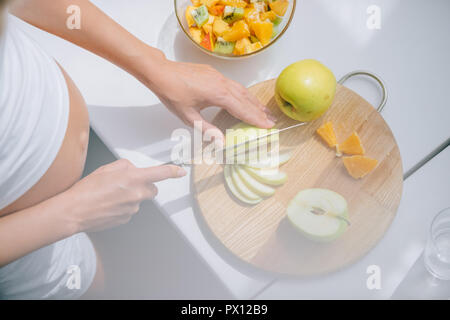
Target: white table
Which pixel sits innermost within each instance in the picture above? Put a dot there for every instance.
(410, 52)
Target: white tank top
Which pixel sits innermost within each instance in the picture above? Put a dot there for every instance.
(34, 111)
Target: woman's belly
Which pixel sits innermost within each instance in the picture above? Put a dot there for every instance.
(68, 165)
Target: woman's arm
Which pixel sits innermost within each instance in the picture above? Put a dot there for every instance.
(35, 227)
(106, 198)
(184, 88)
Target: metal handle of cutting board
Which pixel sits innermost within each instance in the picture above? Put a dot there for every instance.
(373, 76)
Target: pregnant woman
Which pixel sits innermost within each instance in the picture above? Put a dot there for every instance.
(44, 130)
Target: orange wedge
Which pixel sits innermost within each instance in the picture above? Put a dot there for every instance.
(359, 166)
(326, 132)
(352, 145)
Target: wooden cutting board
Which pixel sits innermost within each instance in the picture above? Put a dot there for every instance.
(262, 236)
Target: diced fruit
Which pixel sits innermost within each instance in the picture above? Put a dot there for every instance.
(359, 166)
(231, 186)
(207, 28)
(260, 6)
(326, 132)
(254, 39)
(268, 15)
(234, 3)
(255, 46)
(352, 145)
(242, 46)
(238, 31)
(263, 31)
(210, 3)
(232, 14)
(277, 22)
(270, 177)
(241, 186)
(241, 21)
(196, 34)
(207, 42)
(189, 19)
(220, 27)
(217, 10)
(200, 15)
(224, 47)
(251, 15)
(319, 214)
(254, 185)
(279, 7)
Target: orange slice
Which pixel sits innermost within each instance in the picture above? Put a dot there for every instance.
(352, 145)
(359, 166)
(326, 132)
(279, 7)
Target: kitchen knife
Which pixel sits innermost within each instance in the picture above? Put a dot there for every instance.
(233, 148)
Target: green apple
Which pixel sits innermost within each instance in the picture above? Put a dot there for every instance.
(305, 90)
(254, 185)
(234, 190)
(269, 163)
(241, 186)
(267, 176)
(319, 214)
(243, 132)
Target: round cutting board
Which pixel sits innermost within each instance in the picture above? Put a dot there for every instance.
(262, 236)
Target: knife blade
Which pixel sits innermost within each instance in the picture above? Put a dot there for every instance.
(232, 148)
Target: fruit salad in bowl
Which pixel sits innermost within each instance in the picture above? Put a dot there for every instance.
(234, 28)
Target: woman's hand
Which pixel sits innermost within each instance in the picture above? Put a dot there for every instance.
(187, 88)
(184, 88)
(111, 195)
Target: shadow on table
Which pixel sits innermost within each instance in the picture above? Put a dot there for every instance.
(147, 258)
(132, 128)
(420, 284)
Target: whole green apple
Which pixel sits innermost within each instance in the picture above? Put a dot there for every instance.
(305, 90)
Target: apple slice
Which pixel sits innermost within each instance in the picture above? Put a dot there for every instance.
(319, 214)
(283, 157)
(253, 184)
(267, 176)
(234, 190)
(243, 132)
(241, 186)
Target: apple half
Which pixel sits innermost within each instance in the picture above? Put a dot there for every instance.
(234, 190)
(319, 214)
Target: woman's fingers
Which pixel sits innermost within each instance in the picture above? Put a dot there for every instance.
(240, 103)
(159, 173)
(210, 131)
(240, 91)
(246, 111)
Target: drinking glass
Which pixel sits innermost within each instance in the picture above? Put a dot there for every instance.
(437, 251)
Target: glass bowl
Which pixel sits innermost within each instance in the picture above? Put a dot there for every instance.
(180, 8)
